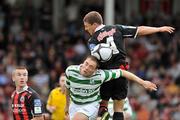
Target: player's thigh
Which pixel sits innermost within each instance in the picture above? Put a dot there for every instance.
(120, 88)
(106, 90)
(80, 116)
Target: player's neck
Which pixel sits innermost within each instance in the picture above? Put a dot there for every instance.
(99, 27)
(21, 88)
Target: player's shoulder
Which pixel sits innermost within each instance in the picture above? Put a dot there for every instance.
(109, 26)
(100, 72)
(32, 91)
(125, 26)
(73, 67)
(104, 29)
(55, 90)
(12, 95)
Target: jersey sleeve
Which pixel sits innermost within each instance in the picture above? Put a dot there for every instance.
(128, 31)
(36, 104)
(112, 74)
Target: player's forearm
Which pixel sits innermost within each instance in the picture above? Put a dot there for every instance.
(67, 97)
(132, 77)
(49, 108)
(146, 30)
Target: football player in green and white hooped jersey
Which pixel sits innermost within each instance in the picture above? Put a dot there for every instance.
(83, 84)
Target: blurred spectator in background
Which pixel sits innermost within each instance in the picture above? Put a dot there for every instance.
(57, 100)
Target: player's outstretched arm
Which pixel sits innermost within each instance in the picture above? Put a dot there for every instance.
(146, 84)
(146, 30)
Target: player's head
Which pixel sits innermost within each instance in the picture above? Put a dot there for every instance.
(89, 66)
(91, 21)
(62, 80)
(20, 76)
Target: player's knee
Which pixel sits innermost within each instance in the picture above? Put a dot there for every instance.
(118, 105)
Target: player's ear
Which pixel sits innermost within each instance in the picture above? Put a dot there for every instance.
(13, 73)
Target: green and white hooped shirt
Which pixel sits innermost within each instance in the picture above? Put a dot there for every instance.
(85, 90)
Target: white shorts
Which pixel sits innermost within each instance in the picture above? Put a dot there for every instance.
(90, 110)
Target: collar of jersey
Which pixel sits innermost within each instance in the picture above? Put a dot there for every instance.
(99, 27)
(23, 89)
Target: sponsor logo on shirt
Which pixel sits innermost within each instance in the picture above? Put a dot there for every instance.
(81, 90)
(16, 110)
(37, 110)
(18, 105)
(104, 34)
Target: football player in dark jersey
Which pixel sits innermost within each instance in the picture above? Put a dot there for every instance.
(26, 103)
(114, 36)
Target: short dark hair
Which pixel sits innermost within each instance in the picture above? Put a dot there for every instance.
(20, 67)
(93, 58)
(93, 17)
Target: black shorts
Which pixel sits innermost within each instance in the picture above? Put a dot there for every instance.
(115, 89)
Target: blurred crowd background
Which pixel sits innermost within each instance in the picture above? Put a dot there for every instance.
(31, 35)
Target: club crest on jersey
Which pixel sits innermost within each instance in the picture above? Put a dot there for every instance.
(37, 103)
(91, 46)
(22, 99)
(92, 82)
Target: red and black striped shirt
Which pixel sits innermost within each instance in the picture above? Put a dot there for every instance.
(26, 104)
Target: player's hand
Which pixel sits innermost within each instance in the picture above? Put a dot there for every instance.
(66, 110)
(149, 85)
(66, 117)
(166, 29)
(51, 109)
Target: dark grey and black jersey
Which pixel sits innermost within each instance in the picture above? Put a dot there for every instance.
(114, 36)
